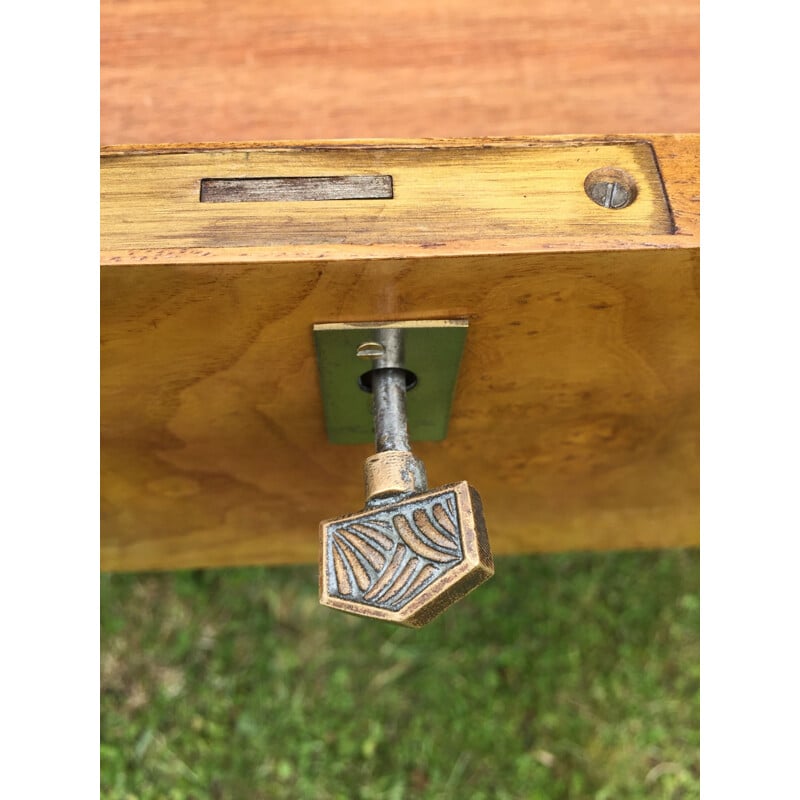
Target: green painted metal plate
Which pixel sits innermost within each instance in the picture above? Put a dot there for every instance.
(432, 351)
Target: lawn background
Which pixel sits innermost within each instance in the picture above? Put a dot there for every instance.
(565, 676)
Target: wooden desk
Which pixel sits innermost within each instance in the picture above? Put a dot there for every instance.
(249, 70)
(576, 412)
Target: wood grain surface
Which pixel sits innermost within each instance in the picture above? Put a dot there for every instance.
(576, 410)
(451, 197)
(249, 70)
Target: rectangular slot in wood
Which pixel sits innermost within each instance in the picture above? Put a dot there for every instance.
(296, 189)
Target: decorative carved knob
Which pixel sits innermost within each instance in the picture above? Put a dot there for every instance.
(412, 552)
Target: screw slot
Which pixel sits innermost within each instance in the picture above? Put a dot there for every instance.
(370, 350)
(610, 187)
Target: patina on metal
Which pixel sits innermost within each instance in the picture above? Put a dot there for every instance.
(411, 553)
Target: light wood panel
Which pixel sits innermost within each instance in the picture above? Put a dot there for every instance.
(442, 196)
(222, 70)
(576, 410)
(450, 196)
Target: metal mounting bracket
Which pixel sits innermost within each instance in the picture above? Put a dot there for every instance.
(430, 354)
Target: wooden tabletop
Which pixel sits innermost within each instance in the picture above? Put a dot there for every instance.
(249, 70)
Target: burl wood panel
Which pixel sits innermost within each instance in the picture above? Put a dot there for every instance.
(576, 410)
(235, 70)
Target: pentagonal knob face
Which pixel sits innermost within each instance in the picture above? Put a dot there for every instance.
(406, 562)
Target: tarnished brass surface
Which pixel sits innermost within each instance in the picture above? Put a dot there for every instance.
(393, 472)
(407, 561)
(411, 552)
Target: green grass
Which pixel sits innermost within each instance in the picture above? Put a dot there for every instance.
(566, 676)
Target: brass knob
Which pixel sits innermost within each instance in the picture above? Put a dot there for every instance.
(412, 551)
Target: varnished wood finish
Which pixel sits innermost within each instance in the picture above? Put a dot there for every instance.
(465, 196)
(576, 409)
(233, 70)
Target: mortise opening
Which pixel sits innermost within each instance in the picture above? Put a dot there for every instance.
(300, 189)
(365, 381)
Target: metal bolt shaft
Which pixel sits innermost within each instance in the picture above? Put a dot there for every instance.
(389, 410)
(393, 472)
